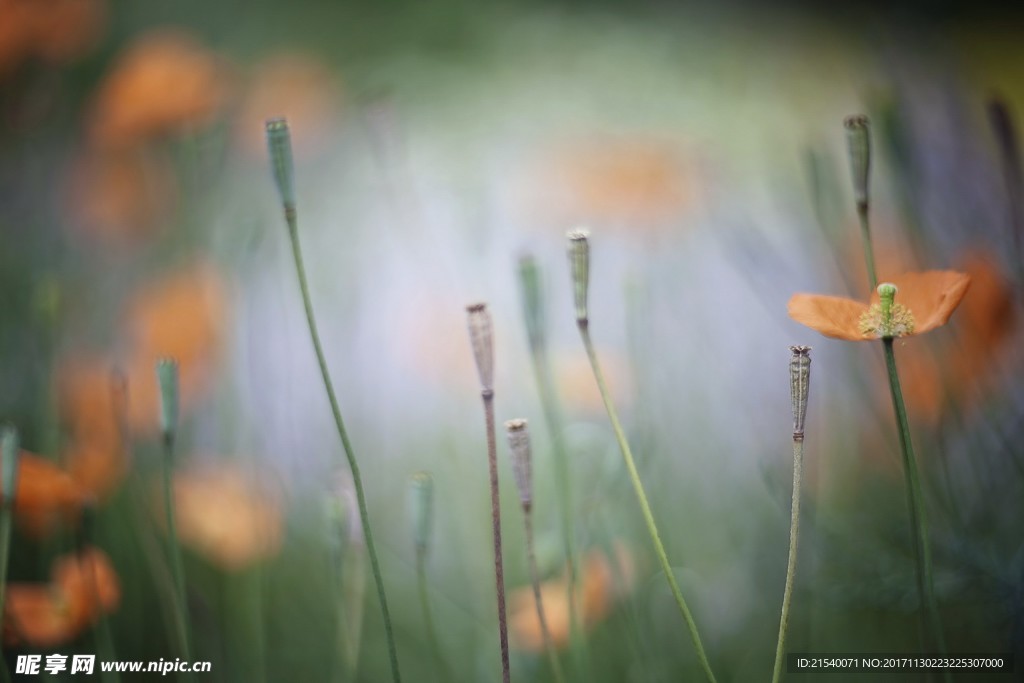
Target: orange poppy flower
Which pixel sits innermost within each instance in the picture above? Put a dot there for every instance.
(43, 488)
(166, 81)
(181, 316)
(226, 516)
(603, 580)
(83, 588)
(56, 31)
(634, 181)
(67, 29)
(924, 301)
(17, 26)
(119, 195)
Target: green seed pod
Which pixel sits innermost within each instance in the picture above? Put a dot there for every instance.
(533, 302)
(858, 140)
(799, 387)
(279, 143)
(519, 447)
(481, 338)
(421, 503)
(10, 451)
(579, 262)
(167, 377)
(886, 297)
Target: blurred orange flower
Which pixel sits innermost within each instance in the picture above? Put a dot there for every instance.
(55, 31)
(45, 493)
(67, 29)
(603, 580)
(967, 363)
(634, 181)
(226, 516)
(296, 86)
(181, 315)
(163, 83)
(83, 588)
(924, 301)
(576, 385)
(119, 195)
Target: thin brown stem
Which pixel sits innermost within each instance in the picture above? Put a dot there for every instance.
(499, 572)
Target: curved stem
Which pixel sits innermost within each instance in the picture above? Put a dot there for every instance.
(645, 507)
(499, 571)
(794, 538)
(915, 505)
(357, 481)
(531, 558)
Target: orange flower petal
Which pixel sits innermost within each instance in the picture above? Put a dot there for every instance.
(88, 582)
(987, 314)
(223, 515)
(35, 615)
(602, 581)
(42, 484)
(68, 29)
(84, 587)
(164, 82)
(180, 316)
(931, 296)
(833, 316)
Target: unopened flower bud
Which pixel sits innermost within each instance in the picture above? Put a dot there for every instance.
(799, 387)
(533, 302)
(858, 140)
(279, 143)
(482, 340)
(10, 450)
(579, 263)
(519, 447)
(421, 503)
(167, 378)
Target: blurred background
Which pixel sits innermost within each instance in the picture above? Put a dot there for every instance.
(436, 144)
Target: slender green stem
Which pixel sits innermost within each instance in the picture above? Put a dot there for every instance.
(794, 538)
(499, 571)
(915, 505)
(105, 643)
(531, 558)
(553, 420)
(6, 513)
(865, 238)
(182, 622)
(645, 507)
(357, 481)
(428, 614)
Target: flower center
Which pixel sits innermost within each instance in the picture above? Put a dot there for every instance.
(873, 322)
(886, 319)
